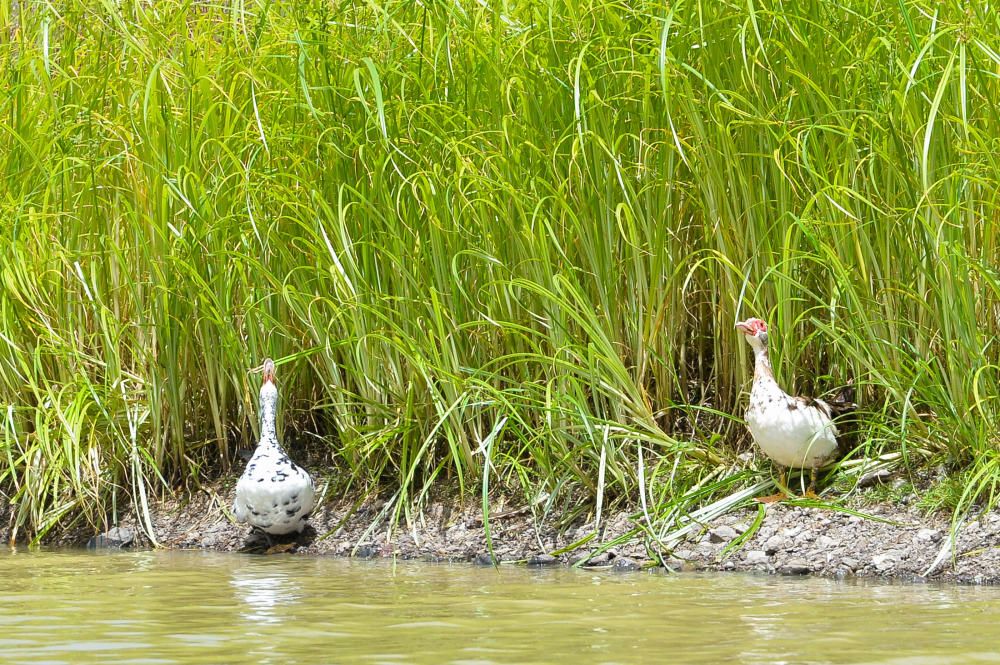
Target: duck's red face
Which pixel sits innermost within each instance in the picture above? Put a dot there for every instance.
(752, 327)
(268, 371)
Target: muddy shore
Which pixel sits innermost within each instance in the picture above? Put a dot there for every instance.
(892, 542)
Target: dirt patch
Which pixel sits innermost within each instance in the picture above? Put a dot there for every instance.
(889, 541)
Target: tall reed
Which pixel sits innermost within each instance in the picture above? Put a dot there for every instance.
(513, 229)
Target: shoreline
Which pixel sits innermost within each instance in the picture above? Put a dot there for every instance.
(893, 542)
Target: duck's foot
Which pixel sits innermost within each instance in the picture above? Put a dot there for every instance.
(258, 542)
(782, 494)
(774, 498)
(811, 492)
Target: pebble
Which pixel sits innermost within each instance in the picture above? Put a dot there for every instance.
(774, 544)
(483, 559)
(884, 562)
(849, 562)
(874, 477)
(825, 542)
(755, 557)
(114, 538)
(624, 563)
(602, 559)
(795, 567)
(722, 534)
(928, 535)
(433, 558)
(542, 560)
(675, 564)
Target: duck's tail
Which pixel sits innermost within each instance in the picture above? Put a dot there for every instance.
(843, 403)
(842, 409)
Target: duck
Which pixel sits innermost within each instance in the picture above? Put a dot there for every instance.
(274, 495)
(794, 432)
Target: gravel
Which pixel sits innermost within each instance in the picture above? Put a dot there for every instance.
(791, 540)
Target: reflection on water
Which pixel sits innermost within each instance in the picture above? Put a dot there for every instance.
(189, 607)
(259, 593)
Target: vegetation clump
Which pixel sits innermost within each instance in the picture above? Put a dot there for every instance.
(502, 242)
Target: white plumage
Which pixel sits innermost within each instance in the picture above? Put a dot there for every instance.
(795, 432)
(790, 430)
(274, 494)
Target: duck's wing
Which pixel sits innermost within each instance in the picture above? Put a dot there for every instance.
(811, 403)
(308, 493)
(247, 486)
(239, 502)
(836, 410)
(299, 484)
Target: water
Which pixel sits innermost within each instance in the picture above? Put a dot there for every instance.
(186, 607)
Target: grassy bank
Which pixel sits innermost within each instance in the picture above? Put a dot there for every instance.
(508, 231)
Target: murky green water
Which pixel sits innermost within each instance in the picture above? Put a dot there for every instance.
(185, 607)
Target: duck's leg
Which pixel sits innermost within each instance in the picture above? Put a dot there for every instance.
(811, 492)
(781, 494)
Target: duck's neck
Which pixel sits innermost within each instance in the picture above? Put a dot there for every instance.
(268, 431)
(762, 365)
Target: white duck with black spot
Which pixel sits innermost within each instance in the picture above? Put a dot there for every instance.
(274, 494)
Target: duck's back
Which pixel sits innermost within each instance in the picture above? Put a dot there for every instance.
(274, 494)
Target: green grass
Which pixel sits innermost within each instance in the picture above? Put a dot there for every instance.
(510, 229)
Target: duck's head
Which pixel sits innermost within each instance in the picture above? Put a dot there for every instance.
(755, 332)
(268, 391)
